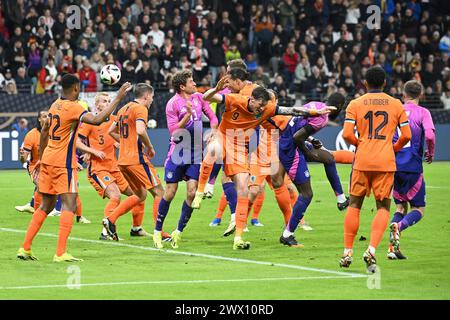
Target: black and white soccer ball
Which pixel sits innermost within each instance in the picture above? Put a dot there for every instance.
(110, 74)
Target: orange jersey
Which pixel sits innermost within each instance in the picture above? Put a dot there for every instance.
(131, 148)
(64, 116)
(248, 89)
(238, 116)
(97, 137)
(31, 145)
(376, 116)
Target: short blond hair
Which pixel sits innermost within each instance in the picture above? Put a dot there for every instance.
(99, 95)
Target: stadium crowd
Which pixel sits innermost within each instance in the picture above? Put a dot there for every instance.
(299, 48)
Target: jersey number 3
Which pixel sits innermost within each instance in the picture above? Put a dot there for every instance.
(384, 122)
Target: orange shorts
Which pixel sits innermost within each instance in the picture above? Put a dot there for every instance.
(140, 176)
(258, 174)
(235, 161)
(363, 182)
(102, 179)
(57, 180)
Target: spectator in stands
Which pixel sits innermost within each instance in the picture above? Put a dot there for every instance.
(158, 35)
(88, 77)
(216, 59)
(21, 126)
(47, 77)
(34, 60)
(290, 61)
(444, 43)
(232, 53)
(278, 85)
(145, 74)
(23, 81)
(199, 56)
(260, 77)
(83, 50)
(104, 35)
(251, 63)
(445, 97)
(302, 73)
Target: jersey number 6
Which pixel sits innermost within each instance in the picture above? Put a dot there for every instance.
(123, 127)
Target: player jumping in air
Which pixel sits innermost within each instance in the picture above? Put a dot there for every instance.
(136, 150)
(409, 185)
(58, 165)
(376, 116)
(184, 121)
(242, 115)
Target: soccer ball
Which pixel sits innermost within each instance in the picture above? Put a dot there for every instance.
(152, 124)
(110, 74)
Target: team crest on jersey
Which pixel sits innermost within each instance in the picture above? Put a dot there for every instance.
(307, 173)
(107, 179)
(169, 175)
(252, 179)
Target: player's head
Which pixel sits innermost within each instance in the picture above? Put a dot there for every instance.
(258, 100)
(375, 78)
(413, 90)
(144, 93)
(273, 95)
(182, 81)
(236, 79)
(336, 100)
(102, 100)
(42, 116)
(71, 86)
(236, 63)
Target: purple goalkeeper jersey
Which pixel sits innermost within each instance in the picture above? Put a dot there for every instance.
(409, 158)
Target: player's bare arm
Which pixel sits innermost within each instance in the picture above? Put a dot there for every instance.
(315, 154)
(212, 94)
(23, 155)
(141, 130)
(85, 149)
(101, 117)
(43, 141)
(301, 111)
(113, 131)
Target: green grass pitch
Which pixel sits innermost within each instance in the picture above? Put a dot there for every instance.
(206, 267)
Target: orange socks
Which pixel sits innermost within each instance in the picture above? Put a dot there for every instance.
(37, 200)
(284, 202)
(156, 202)
(241, 215)
(257, 206)
(343, 156)
(123, 208)
(65, 226)
(33, 228)
(110, 206)
(138, 214)
(351, 226)
(222, 206)
(205, 172)
(379, 225)
(79, 207)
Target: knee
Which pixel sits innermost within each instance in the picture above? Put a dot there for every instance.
(308, 194)
(277, 182)
(190, 194)
(253, 193)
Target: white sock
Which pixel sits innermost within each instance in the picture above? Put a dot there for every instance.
(136, 228)
(287, 233)
(237, 238)
(341, 198)
(372, 250)
(348, 251)
(104, 232)
(209, 187)
(233, 217)
(156, 231)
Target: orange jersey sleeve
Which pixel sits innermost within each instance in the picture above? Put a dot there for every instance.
(131, 148)
(31, 144)
(97, 137)
(64, 116)
(377, 116)
(248, 89)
